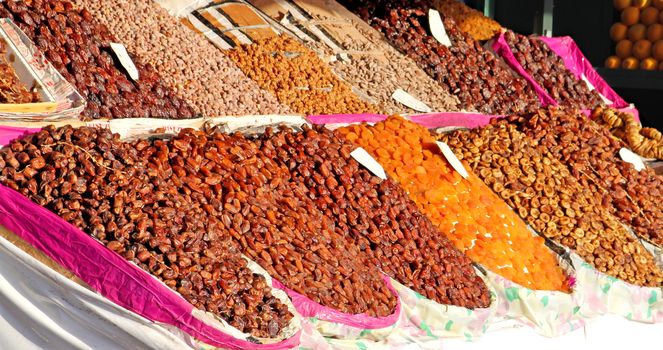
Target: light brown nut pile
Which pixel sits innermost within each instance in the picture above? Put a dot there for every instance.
(647, 142)
(377, 69)
(190, 64)
(544, 193)
(592, 155)
(12, 90)
(297, 76)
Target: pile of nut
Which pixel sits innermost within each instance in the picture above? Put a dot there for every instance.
(377, 70)
(550, 73)
(467, 70)
(477, 221)
(647, 142)
(297, 76)
(469, 20)
(132, 200)
(592, 155)
(376, 216)
(189, 63)
(79, 48)
(12, 90)
(545, 193)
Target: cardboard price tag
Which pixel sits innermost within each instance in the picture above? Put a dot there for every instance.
(369, 162)
(408, 100)
(628, 156)
(453, 160)
(125, 60)
(437, 28)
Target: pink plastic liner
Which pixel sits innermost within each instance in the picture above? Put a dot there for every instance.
(9, 133)
(309, 308)
(346, 118)
(578, 64)
(444, 119)
(110, 274)
(502, 49)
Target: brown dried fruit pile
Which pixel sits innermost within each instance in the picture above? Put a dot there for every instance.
(647, 142)
(276, 224)
(377, 216)
(466, 70)
(129, 197)
(592, 155)
(544, 193)
(297, 76)
(550, 73)
(189, 63)
(12, 90)
(469, 20)
(79, 48)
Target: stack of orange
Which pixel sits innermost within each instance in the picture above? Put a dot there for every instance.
(473, 217)
(638, 35)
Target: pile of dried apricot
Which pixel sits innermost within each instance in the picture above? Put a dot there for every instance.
(468, 212)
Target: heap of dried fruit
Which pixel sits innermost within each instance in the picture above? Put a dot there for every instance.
(129, 198)
(12, 90)
(469, 20)
(647, 142)
(544, 193)
(550, 73)
(592, 155)
(475, 219)
(79, 48)
(297, 76)
(377, 216)
(467, 70)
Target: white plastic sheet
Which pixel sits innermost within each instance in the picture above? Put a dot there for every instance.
(41, 309)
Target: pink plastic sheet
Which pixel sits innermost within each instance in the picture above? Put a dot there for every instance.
(8, 133)
(346, 118)
(578, 64)
(110, 274)
(502, 49)
(440, 120)
(309, 308)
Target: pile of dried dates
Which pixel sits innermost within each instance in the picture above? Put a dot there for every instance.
(79, 48)
(479, 80)
(550, 73)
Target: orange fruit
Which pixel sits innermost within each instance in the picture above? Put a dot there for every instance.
(636, 32)
(648, 64)
(618, 31)
(630, 63)
(657, 51)
(612, 62)
(621, 4)
(658, 4)
(641, 3)
(649, 16)
(642, 49)
(623, 48)
(630, 15)
(655, 32)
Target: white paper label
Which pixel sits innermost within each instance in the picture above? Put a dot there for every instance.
(453, 160)
(592, 88)
(437, 28)
(125, 60)
(406, 99)
(369, 162)
(628, 156)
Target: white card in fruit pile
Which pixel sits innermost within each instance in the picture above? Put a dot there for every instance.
(369, 162)
(437, 28)
(408, 100)
(453, 160)
(628, 156)
(125, 60)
